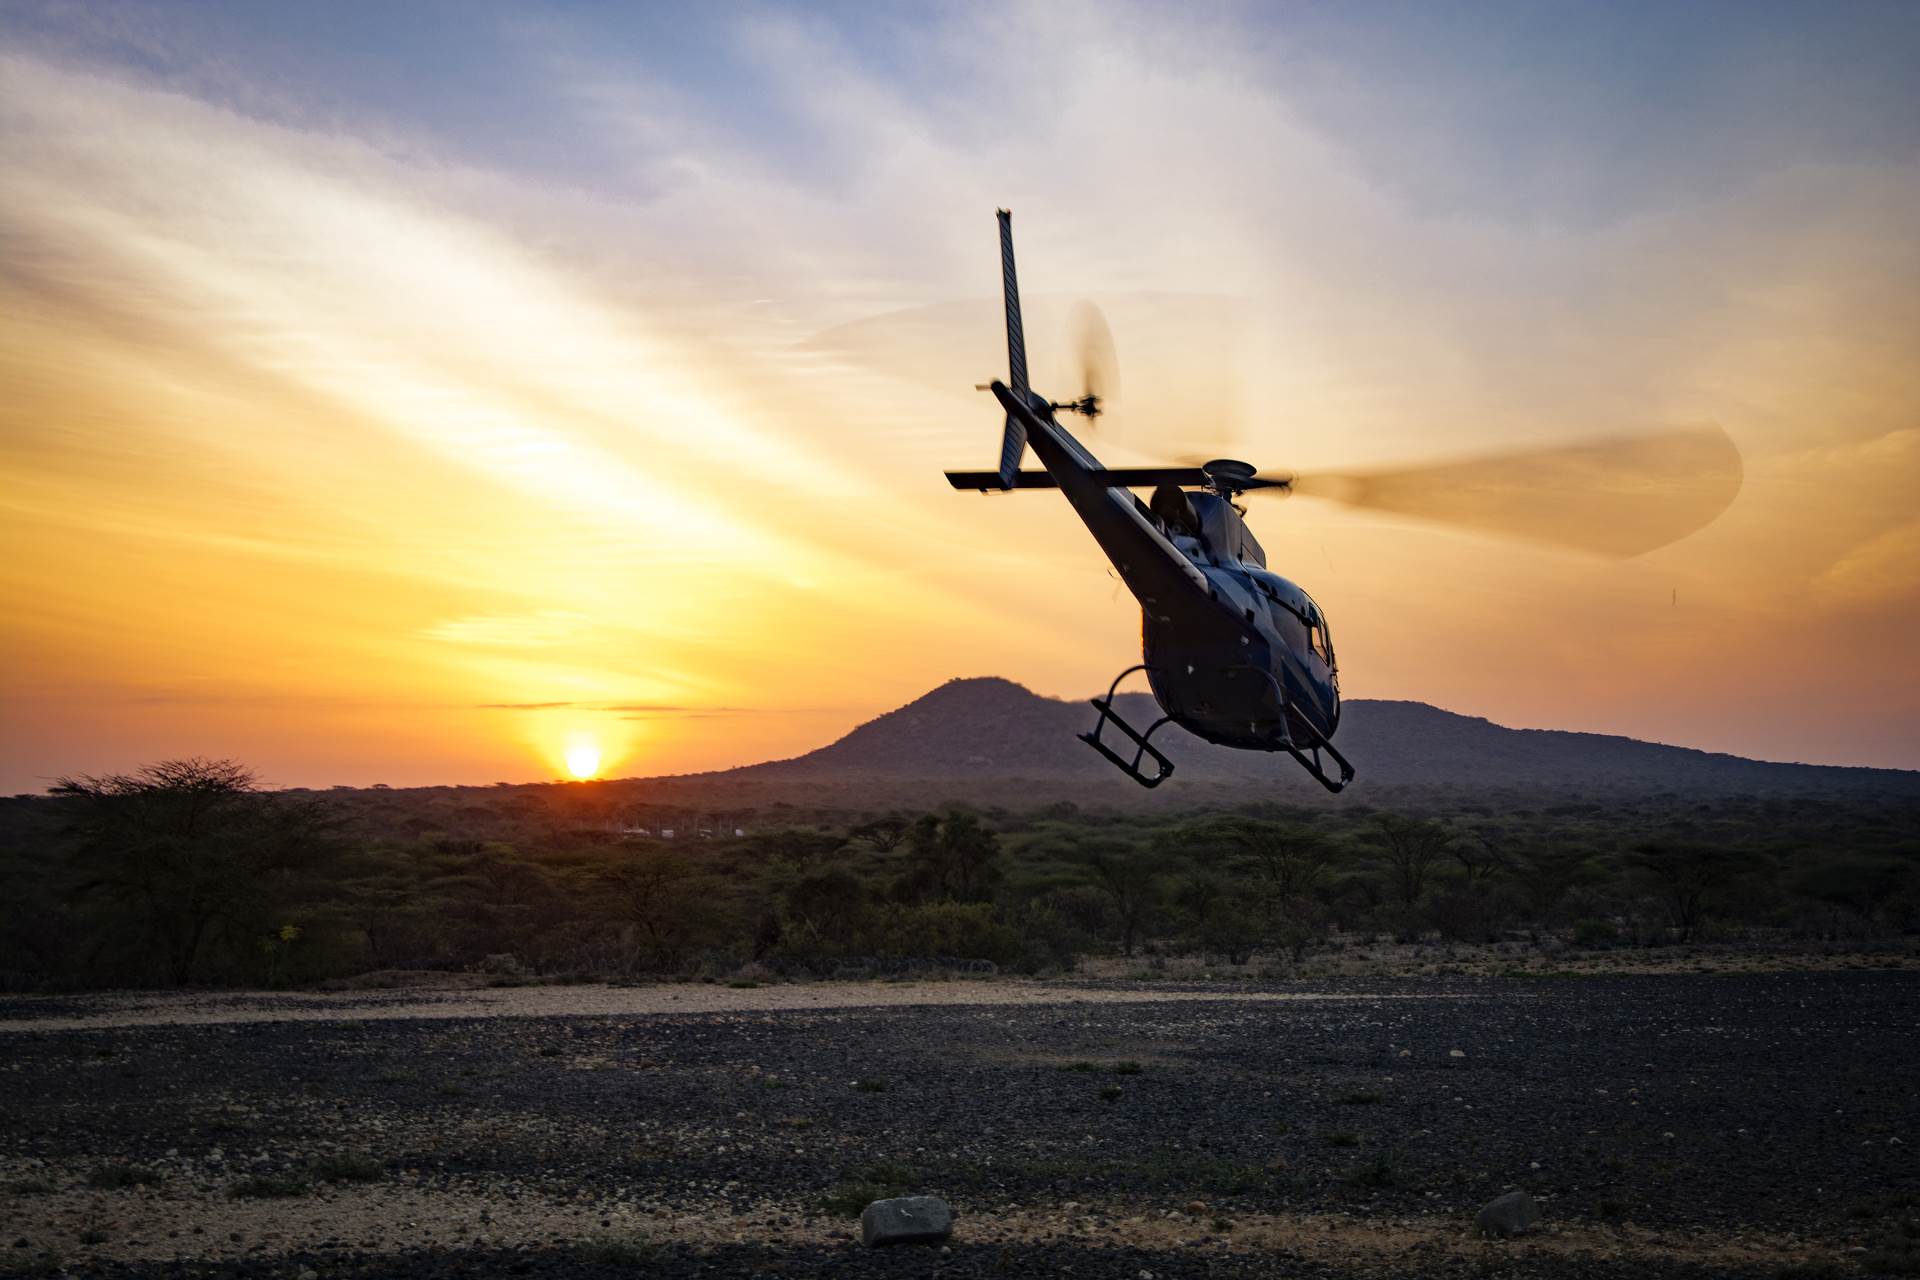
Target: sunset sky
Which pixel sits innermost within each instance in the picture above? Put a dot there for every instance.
(419, 393)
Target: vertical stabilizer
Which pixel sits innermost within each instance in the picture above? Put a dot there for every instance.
(1010, 285)
(1013, 443)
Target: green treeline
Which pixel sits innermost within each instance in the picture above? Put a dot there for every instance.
(187, 873)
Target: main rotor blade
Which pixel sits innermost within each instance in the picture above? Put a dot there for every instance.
(1115, 478)
(1618, 497)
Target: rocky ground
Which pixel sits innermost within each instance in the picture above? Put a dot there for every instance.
(1758, 1124)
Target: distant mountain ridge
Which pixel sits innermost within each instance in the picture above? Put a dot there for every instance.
(991, 728)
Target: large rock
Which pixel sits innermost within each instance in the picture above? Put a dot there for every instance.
(906, 1220)
(1508, 1215)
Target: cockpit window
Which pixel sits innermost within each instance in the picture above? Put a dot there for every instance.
(1317, 633)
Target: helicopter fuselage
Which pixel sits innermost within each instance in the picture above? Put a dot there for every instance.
(1234, 653)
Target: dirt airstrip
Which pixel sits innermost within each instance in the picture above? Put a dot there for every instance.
(1753, 1124)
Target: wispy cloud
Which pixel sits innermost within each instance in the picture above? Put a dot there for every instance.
(316, 382)
(521, 631)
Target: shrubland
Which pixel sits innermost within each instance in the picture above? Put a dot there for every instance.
(188, 873)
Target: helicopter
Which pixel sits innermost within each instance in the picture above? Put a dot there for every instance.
(1242, 657)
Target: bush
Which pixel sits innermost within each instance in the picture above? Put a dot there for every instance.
(609, 1251)
(1375, 1173)
(112, 1177)
(850, 1197)
(270, 1186)
(1593, 932)
(348, 1166)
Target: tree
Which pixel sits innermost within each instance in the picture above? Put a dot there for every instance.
(1410, 847)
(1547, 875)
(669, 904)
(832, 901)
(883, 833)
(1869, 887)
(1286, 862)
(1131, 883)
(183, 847)
(797, 847)
(1233, 929)
(1484, 853)
(951, 857)
(1688, 878)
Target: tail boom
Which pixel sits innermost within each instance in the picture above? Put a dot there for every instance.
(1151, 566)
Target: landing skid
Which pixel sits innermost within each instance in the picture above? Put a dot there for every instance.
(1309, 756)
(1314, 754)
(1311, 762)
(1142, 749)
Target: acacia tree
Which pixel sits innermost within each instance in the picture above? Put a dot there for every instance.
(1410, 847)
(1548, 875)
(1130, 881)
(669, 905)
(1688, 878)
(1485, 852)
(952, 857)
(797, 847)
(184, 846)
(1285, 861)
(885, 832)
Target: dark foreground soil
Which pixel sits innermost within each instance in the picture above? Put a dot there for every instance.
(1755, 1125)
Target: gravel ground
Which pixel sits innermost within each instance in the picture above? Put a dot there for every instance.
(150, 1009)
(1758, 1124)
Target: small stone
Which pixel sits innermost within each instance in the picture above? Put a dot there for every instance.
(906, 1220)
(1196, 1207)
(1507, 1215)
(1456, 1053)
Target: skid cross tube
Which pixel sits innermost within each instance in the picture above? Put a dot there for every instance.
(1142, 748)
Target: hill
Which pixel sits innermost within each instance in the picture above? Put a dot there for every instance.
(992, 730)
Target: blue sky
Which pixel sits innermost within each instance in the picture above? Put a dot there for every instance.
(1576, 112)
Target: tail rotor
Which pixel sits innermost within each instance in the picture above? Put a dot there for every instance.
(1099, 368)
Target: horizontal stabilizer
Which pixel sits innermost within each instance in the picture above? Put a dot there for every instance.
(1115, 478)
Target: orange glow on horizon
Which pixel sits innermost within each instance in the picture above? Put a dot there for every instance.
(362, 462)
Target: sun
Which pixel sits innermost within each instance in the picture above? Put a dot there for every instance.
(583, 759)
